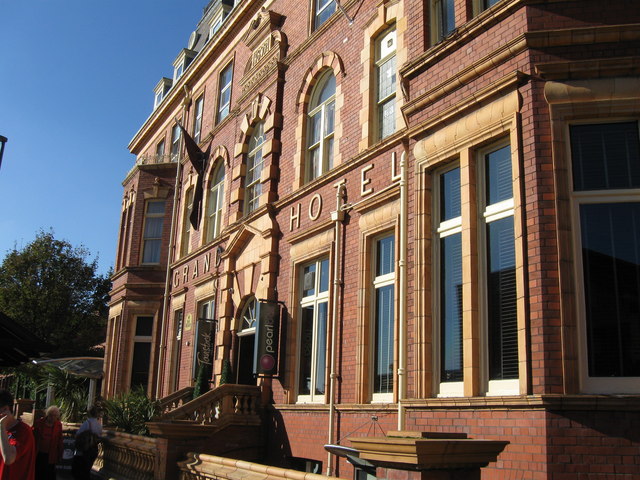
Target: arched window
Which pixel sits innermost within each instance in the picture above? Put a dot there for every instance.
(249, 319)
(215, 202)
(253, 187)
(320, 127)
(245, 349)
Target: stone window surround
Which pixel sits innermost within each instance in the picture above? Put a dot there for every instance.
(260, 110)
(460, 140)
(388, 15)
(570, 101)
(327, 60)
(372, 225)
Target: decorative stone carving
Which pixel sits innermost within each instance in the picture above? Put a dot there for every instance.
(268, 46)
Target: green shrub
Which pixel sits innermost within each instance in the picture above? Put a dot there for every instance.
(202, 380)
(131, 411)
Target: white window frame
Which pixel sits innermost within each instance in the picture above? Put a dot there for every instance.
(215, 203)
(438, 9)
(215, 25)
(588, 384)
(224, 108)
(141, 339)
(319, 7)
(197, 121)
(313, 301)
(160, 149)
(176, 135)
(443, 229)
(325, 157)
(253, 180)
(488, 214)
(146, 239)
(185, 238)
(384, 56)
(248, 318)
(378, 282)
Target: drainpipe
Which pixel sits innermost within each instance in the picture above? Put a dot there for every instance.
(402, 287)
(164, 324)
(337, 217)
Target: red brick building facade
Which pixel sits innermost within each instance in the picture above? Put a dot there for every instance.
(444, 198)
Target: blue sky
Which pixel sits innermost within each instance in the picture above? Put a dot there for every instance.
(76, 84)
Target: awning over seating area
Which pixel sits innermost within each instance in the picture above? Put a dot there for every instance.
(90, 367)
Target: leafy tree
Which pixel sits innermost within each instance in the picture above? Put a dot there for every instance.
(53, 290)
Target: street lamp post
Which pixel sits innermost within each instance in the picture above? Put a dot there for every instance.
(3, 140)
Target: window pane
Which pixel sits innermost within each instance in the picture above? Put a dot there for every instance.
(144, 326)
(387, 78)
(153, 227)
(328, 88)
(387, 117)
(324, 276)
(306, 346)
(605, 156)
(446, 17)
(314, 163)
(140, 364)
(309, 280)
(321, 348)
(155, 207)
(501, 298)
(324, 10)
(610, 236)
(151, 251)
(498, 174)
(329, 120)
(315, 124)
(451, 308)
(385, 256)
(450, 194)
(383, 368)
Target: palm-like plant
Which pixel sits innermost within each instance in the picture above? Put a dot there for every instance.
(131, 411)
(70, 392)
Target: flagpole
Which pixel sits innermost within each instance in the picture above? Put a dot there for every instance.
(164, 323)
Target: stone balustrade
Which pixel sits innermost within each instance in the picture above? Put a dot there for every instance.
(122, 455)
(199, 466)
(176, 400)
(226, 402)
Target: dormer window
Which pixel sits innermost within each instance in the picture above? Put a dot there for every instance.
(161, 90)
(220, 12)
(215, 25)
(182, 62)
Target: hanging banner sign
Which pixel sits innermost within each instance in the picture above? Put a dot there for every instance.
(267, 339)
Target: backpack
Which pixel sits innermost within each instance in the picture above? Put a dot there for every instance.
(86, 441)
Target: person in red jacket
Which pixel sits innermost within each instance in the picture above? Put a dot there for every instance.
(48, 435)
(17, 446)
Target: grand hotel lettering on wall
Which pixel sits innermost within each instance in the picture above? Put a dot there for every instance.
(314, 209)
(202, 265)
(193, 270)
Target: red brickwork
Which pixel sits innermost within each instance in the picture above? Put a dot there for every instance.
(462, 89)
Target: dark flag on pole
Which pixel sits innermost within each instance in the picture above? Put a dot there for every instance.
(199, 161)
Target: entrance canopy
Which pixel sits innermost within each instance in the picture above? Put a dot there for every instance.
(89, 367)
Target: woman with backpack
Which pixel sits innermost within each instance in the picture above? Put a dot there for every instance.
(87, 438)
